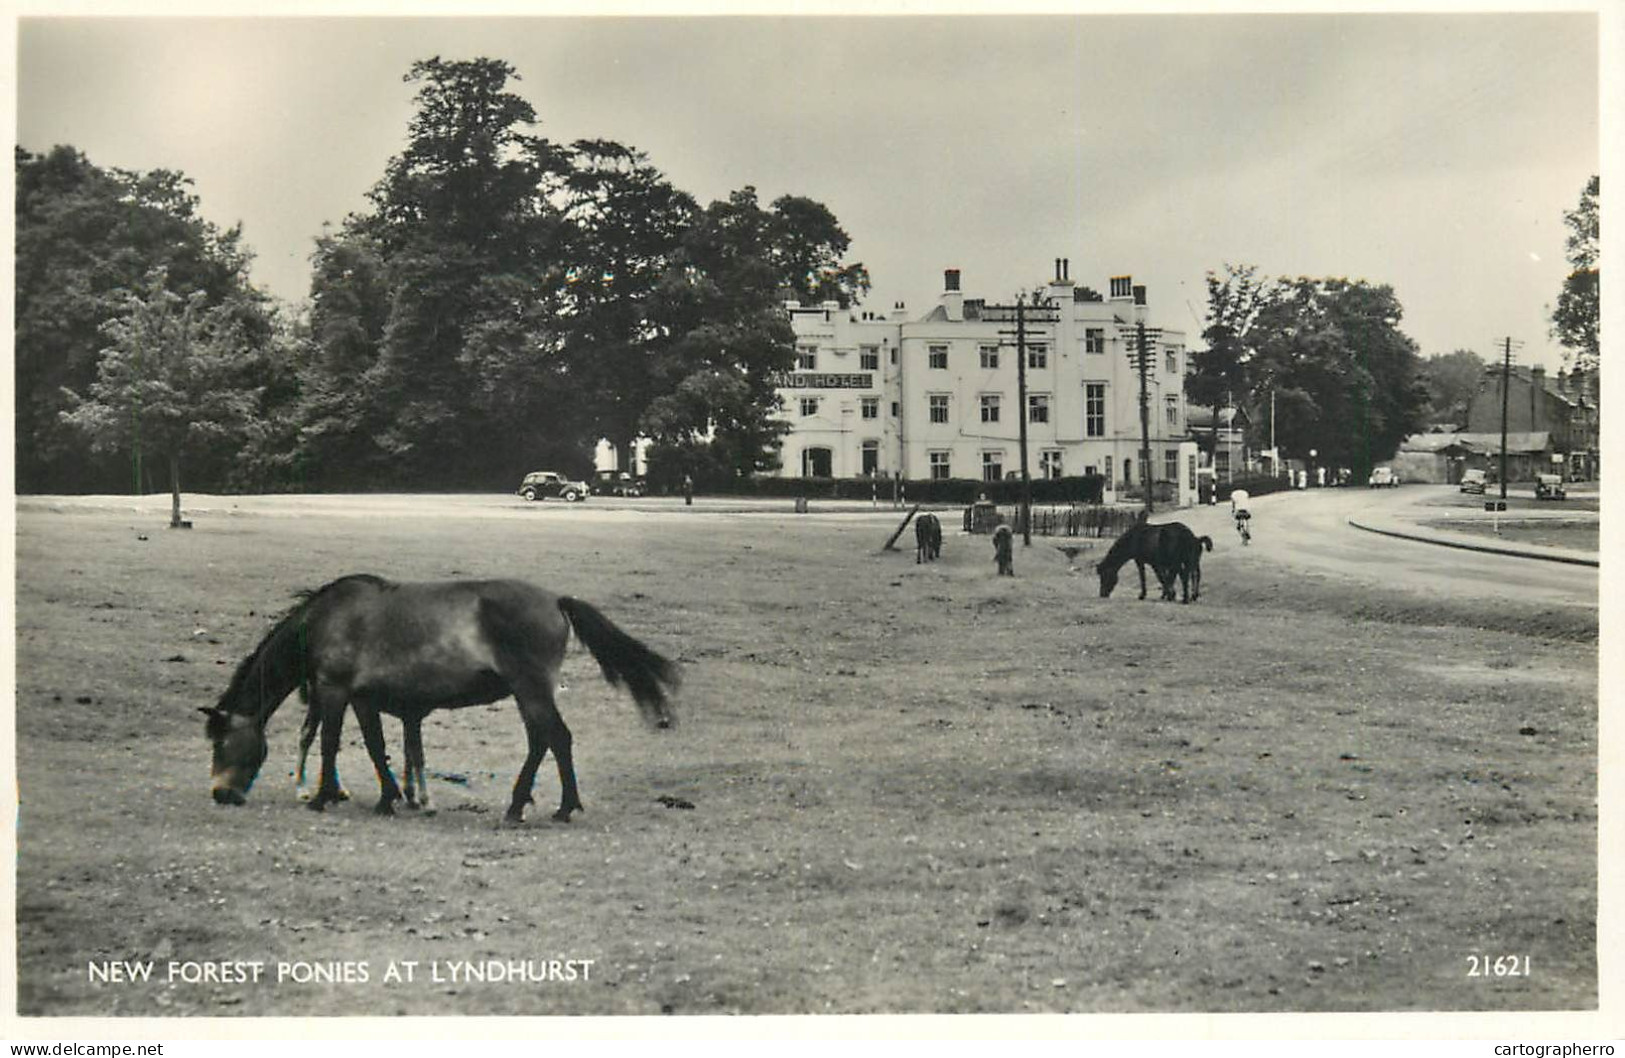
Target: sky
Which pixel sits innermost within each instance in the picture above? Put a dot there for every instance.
(1435, 153)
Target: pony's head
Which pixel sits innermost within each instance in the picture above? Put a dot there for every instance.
(239, 750)
(1108, 578)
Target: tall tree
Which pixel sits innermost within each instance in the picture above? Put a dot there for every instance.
(1220, 373)
(439, 361)
(85, 237)
(1576, 322)
(1452, 379)
(1338, 344)
(169, 383)
(808, 247)
(627, 226)
(730, 337)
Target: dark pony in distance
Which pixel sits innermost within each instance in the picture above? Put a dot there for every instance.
(1171, 550)
(1001, 551)
(927, 539)
(407, 649)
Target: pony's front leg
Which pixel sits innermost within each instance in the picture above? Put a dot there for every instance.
(372, 733)
(331, 705)
(307, 735)
(1140, 565)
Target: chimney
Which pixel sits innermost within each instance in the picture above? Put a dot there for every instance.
(1122, 288)
(1060, 283)
(1139, 295)
(898, 312)
(953, 300)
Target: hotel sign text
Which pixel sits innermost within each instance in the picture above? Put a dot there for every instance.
(825, 380)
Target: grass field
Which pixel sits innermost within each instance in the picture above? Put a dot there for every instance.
(914, 788)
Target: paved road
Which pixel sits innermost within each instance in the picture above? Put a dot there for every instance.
(1309, 530)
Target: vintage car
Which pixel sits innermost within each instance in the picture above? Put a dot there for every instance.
(540, 484)
(1383, 477)
(618, 483)
(1473, 481)
(1549, 487)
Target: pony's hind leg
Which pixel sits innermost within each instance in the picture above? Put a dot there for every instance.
(544, 730)
(417, 785)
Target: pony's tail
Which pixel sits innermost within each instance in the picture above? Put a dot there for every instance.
(648, 676)
(1207, 542)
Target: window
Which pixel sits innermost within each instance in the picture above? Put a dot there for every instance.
(1037, 357)
(868, 358)
(940, 466)
(809, 406)
(896, 409)
(1094, 339)
(990, 357)
(939, 357)
(1173, 361)
(871, 458)
(1094, 409)
(1170, 465)
(806, 358)
(1172, 408)
(939, 407)
(1038, 407)
(990, 407)
(992, 466)
(1049, 463)
(871, 407)
(1106, 470)
(894, 357)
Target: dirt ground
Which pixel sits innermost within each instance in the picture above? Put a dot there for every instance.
(913, 788)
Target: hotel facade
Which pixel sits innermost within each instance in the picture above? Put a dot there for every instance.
(938, 396)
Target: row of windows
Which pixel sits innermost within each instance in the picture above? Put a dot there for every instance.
(1094, 408)
(816, 461)
(1094, 341)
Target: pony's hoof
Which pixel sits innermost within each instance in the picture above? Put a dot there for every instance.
(305, 796)
(413, 806)
(340, 795)
(384, 808)
(562, 815)
(513, 819)
(316, 804)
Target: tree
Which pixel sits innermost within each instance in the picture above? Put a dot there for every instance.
(437, 353)
(1338, 344)
(168, 382)
(1219, 374)
(807, 245)
(1452, 379)
(85, 237)
(627, 225)
(1576, 321)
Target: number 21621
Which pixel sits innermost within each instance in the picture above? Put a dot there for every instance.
(1498, 966)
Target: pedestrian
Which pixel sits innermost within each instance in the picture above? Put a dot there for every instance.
(688, 491)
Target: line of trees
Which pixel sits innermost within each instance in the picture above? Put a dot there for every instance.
(502, 303)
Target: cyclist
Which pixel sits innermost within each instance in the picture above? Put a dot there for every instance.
(1240, 512)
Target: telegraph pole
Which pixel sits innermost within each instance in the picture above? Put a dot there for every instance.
(1021, 419)
(1506, 389)
(1021, 314)
(1145, 397)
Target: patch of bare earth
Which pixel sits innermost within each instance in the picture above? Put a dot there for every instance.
(913, 788)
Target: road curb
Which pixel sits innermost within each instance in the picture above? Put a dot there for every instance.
(1545, 555)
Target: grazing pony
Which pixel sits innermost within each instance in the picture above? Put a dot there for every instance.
(408, 649)
(1165, 548)
(927, 539)
(1001, 551)
(1187, 565)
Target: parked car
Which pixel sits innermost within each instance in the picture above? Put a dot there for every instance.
(618, 483)
(1549, 487)
(1473, 481)
(1383, 477)
(540, 484)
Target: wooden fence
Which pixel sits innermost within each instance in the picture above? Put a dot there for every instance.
(1081, 519)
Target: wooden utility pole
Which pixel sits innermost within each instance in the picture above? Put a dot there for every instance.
(1506, 389)
(1021, 314)
(1145, 397)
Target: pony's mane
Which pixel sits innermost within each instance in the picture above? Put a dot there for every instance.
(276, 642)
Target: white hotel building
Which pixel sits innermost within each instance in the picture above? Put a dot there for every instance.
(937, 397)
